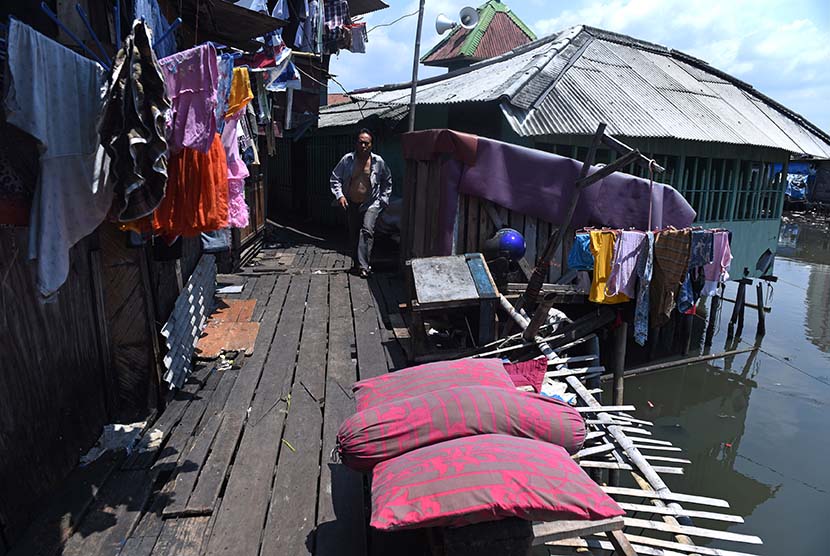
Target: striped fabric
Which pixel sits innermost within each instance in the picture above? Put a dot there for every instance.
(430, 377)
(386, 431)
(484, 478)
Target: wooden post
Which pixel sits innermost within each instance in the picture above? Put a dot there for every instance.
(762, 318)
(618, 361)
(737, 310)
(686, 322)
(740, 327)
(710, 326)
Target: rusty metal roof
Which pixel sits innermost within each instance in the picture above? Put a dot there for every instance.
(569, 82)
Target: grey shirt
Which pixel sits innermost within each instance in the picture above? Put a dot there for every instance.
(380, 177)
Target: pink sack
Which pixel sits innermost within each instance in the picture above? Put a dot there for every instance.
(427, 378)
(389, 430)
(484, 478)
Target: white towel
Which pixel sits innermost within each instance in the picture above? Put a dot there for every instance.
(57, 96)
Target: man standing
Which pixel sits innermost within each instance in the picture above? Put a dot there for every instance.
(361, 183)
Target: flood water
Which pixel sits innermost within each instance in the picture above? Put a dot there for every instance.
(756, 426)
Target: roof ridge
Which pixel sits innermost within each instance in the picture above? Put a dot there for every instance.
(533, 68)
(477, 65)
(486, 14)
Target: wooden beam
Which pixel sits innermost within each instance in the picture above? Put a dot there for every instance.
(691, 531)
(665, 510)
(670, 496)
(547, 531)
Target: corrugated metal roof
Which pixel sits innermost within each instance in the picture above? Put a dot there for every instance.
(353, 113)
(570, 82)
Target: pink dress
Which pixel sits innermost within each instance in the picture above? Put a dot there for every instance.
(238, 212)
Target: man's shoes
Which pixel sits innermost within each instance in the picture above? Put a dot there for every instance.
(365, 273)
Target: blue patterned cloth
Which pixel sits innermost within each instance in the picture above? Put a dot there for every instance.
(580, 257)
(149, 11)
(685, 296)
(645, 269)
(223, 89)
(702, 248)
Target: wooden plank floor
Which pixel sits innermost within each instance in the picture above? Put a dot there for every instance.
(244, 466)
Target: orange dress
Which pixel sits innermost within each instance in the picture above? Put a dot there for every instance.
(196, 199)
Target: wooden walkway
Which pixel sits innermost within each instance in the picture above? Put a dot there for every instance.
(238, 463)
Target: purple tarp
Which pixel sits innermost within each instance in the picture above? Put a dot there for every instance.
(541, 185)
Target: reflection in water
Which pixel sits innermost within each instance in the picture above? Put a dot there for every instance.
(818, 316)
(703, 409)
(754, 425)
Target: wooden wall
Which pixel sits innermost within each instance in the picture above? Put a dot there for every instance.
(474, 220)
(52, 379)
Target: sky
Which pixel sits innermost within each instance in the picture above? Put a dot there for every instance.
(782, 48)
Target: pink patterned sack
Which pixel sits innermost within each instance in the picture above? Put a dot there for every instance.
(386, 431)
(484, 478)
(427, 378)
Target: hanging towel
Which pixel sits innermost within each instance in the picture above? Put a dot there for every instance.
(580, 257)
(132, 128)
(717, 271)
(241, 93)
(192, 77)
(627, 251)
(56, 96)
(671, 262)
(602, 247)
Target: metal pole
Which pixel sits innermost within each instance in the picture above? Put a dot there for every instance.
(415, 61)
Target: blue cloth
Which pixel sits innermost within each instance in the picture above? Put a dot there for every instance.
(685, 297)
(223, 89)
(645, 269)
(702, 248)
(149, 11)
(580, 257)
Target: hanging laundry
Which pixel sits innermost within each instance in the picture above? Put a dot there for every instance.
(336, 34)
(247, 137)
(702, 248)
(132, 128)
(307, 30)
(644, 272)
(223, 89)
(56, 96)
(278, 81)
(192, 77)
(280, 10)
(18, 175)
(238, 212)
(255, 5)
(150, 12)
(359, 38)
(671, 262)
(717, 271)
(241, 93)
(627, 252)
(197, 193)
(263, 101)
(580, 257)
(602, 247)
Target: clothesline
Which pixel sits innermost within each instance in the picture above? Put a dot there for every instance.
(661, 270)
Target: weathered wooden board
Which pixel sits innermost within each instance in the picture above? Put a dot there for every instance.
(443, 279)
(291, 518)
(371, 360)
(340, 520)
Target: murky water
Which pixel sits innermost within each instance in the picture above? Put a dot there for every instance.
(757, 425)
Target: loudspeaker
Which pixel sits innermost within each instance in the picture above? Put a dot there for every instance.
(443, 24)
(469, 17)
